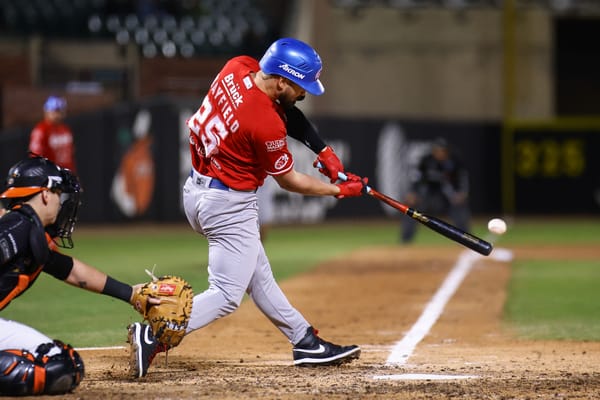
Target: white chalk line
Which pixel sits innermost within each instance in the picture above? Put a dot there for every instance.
(100, 348)
(404, 348)
(420, 377)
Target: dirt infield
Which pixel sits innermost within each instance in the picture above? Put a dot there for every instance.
(372, 298)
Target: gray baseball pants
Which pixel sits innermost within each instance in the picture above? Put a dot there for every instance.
(237, 262)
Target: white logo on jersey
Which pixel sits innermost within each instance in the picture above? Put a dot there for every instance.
(291, 71)
(233, 89)
(281, 162)
(274, 145)
(59, 139)
(247, 82)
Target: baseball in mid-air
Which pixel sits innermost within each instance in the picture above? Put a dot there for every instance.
(497, 226)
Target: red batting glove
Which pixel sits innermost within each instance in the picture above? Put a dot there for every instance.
(353, 177)
(330, 164)
(353, 188)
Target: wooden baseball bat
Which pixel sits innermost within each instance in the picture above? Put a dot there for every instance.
(443, 228)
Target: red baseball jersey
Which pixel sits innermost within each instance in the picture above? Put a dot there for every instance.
(238, 134)
(55, 142)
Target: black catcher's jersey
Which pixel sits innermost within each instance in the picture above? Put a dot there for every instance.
(25, 252)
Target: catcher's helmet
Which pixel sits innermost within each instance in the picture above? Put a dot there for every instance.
(33, 175)
(296, 61)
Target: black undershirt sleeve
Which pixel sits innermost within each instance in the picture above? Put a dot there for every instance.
(58, 265)
(301, 129)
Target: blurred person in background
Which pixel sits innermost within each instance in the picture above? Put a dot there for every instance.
(440, 187)
(51, 137)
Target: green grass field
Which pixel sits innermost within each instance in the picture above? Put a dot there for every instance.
(547, 299)
(555, 300)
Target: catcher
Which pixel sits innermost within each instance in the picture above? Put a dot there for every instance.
(42, 200)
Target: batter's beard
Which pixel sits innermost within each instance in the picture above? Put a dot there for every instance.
(288, 103)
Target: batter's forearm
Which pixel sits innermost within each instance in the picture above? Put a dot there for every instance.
(87, 277)
(298, 182)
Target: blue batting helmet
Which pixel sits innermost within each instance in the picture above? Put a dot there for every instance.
(55, 103)
(296, 61)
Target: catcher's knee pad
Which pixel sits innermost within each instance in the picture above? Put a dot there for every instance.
(24, 374)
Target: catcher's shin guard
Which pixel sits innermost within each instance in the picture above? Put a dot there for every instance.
(23, 374)
(64, 371)
(19, 376)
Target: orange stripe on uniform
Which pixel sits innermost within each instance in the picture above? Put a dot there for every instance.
(9, 368)
(22, 284)
(39, 379)
(51, 244)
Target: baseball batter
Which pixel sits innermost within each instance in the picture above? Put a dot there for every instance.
(43, 200)
(238, 136)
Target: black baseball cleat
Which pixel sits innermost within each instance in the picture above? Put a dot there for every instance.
(314, 351)
(143, 348)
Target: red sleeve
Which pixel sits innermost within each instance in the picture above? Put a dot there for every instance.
(37, 140)
(272, 150)
(69, 162)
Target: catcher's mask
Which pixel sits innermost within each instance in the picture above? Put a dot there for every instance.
(31, 176)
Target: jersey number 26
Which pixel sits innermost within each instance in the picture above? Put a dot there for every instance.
(209, 128)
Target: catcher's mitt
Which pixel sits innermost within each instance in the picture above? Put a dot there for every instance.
(169, 319)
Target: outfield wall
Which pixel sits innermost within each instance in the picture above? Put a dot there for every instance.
(384, 149)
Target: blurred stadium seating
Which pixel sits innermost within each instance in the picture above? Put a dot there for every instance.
(105, 51)
(159, 28)
(98, 52)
